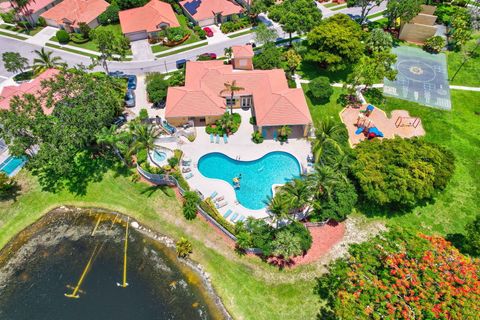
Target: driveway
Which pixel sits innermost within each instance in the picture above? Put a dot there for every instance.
(141, 50)
(43, 36)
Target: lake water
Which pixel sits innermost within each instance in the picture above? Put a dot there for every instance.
(45, 261)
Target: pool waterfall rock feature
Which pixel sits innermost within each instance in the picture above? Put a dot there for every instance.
(45, 260)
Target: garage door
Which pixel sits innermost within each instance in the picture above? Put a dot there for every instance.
(137, 35)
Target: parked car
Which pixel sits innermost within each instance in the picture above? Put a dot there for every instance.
(251, 43)
(117, 74)
(132, 82)
(207, 56)
(208, 31)
(181, 63)
(130, 98)
(159, 104)
(120, 120)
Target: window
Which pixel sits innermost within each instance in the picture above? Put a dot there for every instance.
(242, 62)
(230, 101)
(246, 102)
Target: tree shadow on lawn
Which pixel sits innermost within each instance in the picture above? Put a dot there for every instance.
(316, 101)
(311, 70)
(372, 210)
(149, 191)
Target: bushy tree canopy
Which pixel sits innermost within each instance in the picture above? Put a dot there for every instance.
(81, 104)
(401, 172)
(335, 43)
(405, 10)
(156, 87)
(378, 40)
(320, 88)
(400, 275)
(269, 58)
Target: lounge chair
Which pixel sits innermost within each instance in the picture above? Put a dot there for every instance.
(213, 195)
(188, 175)
(219, 199)
(185, 170)
(211, 137)
(225, 139)
(228, 213)
(241, 219)
(234, 217)
(217, 138)
(221, 204)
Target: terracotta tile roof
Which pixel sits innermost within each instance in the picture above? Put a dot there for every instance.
(245, 51)
(204, 9)
(148, 17)
(32, 87)
(33, 6)
(274, 103)
(76, 11)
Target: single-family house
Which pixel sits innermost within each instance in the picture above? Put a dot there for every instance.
(208, 12)
(34, 8)
(31, 87)
(143, 22)
(69, 14)
(266, 92)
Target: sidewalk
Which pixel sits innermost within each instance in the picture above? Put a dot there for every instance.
(43, 36)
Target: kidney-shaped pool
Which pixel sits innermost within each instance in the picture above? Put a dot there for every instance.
(256, 177)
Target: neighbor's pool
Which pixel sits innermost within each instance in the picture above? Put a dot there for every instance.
(257, 177)
(159, 156)
(11, 164)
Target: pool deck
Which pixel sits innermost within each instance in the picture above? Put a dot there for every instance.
(239, 145)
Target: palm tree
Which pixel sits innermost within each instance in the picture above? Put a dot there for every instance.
(323, 180)
(226, 122)
(228, 53)
(298, 193)
(21, 8)
(45, 61)
(109, 139)
(327, 133)
(144, 137)
(232, 88)
(284, 132)
(278, 207)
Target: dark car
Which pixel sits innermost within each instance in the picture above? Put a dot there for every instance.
(207, 56)
(208, 31)
(132, 82)
(130, 98)
(116, 74)
(181, 63)
(159, 104)
(120, 120)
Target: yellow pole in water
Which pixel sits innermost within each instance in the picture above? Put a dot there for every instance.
(125, 284)
(97, 224)
(84, 273)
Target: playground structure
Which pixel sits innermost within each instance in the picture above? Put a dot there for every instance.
(370, 122)
(76, 290)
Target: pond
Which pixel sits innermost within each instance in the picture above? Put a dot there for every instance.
(45, 262)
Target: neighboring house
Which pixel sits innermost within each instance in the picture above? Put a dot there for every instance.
(144, 22)
(35, 8)
(266, 93)
(69, 14)
(31, 87)
(242, 57)
(208, 12)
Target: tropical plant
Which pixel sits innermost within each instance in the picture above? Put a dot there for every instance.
(328, 136)
(156, 87)
(404, 10)
(434, 44)
(336, 204)
(109, 139)
(378, 40)
(278, 207)
(190, 203)
(401, 172)
(110, 15)
(228, 53)
(22, 8)
(264, 34)
(297, 193)
(184, 247)
(144, 136)
(472, 239)
(320, 88)
(292, 59)
(286, 245)
(401, 275)
(270, 57)
(173, 162)
(232, 88)
(110, 45)
(373, 69)
(257, 137)
(365, 7)
(284, 132)
(14, 62)
(7, 185)
(44, 61)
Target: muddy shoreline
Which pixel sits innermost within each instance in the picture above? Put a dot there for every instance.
(15, 248)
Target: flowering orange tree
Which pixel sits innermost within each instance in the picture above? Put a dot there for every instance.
(402, 276)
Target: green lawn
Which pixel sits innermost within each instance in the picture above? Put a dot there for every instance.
(378, 14)
(456, 130)
(309, 70)
(469, 75)
(329, 5)
(30, 32)
(343, 6)
(241, 33)
(183, 23)
(249, 288)
(182, 50)
(15, 36)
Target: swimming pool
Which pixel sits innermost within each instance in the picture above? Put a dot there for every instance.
(159, 156)
(257, 177)
(11, 165)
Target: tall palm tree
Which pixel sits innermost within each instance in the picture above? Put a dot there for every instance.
(323, 180)
(279, 208)
(144, 137)
(21, 8)
(110, 139)
(45, 61)
(298, 194)
(232, 88)
(228, 53)
(327, 133)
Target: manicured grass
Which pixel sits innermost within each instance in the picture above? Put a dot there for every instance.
(249, 288)
(15, 36)
(378, 14)
(309, 70)
(457, 131)
(329, 5)
(469, 74)
(241, 33)
(183, 23)
(182, 50)
(30, 32)
(70, 50)
(339, 7)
